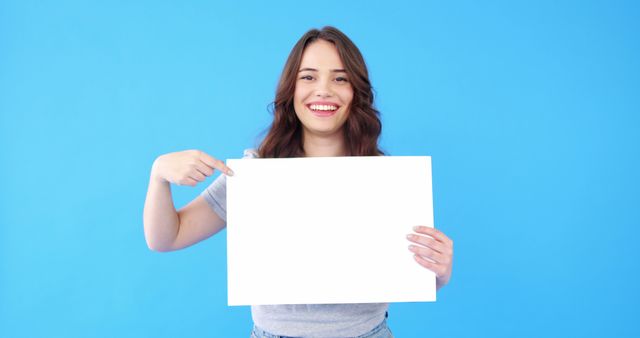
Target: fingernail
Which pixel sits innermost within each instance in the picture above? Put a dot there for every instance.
(409, 236)
(230, 172)
(415, 228)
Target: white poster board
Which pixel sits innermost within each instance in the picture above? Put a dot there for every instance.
(327, 230)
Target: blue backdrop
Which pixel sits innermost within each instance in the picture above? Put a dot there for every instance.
(530, 110)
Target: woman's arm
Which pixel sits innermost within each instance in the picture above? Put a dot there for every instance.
(166, 229)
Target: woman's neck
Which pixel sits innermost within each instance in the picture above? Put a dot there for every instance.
(324, 145)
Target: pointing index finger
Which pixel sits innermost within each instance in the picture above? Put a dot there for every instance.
(215, 163)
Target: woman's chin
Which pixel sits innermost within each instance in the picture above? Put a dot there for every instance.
(323, 131)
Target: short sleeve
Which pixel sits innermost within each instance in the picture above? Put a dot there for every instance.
(216, 193)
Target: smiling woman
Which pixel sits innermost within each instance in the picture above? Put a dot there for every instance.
(323, 107)
(323, 93)
(324, 99)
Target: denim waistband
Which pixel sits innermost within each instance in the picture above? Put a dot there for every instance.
(260, 333)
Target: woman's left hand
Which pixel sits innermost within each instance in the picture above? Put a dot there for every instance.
(434, 251)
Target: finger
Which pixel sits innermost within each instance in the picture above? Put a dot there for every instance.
(429, 253)
(198, 176)
(433, 232)
(187, 181)
(215, 163)
(203, 168)
(436, 268)
(429, 242)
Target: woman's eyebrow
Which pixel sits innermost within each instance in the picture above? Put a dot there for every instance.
(315, 70)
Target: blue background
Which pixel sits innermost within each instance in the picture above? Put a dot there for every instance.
(530, 110)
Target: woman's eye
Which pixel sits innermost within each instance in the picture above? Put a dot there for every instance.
(342, 79)
(307, 77)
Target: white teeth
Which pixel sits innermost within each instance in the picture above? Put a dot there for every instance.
(322, 107)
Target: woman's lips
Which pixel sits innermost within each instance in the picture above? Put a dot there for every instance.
(323, 113)
(323, 109)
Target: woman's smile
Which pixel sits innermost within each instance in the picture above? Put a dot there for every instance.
(323, 108)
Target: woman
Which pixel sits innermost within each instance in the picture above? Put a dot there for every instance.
(323, 107)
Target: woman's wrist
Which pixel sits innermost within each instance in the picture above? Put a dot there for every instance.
(155, 173)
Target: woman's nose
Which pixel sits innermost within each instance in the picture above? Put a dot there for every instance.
(323, 94)
(324, 89)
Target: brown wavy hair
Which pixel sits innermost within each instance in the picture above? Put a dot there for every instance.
(362, 127)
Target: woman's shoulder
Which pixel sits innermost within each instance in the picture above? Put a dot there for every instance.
(250, 153)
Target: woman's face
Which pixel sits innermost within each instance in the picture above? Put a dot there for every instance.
(323, 92)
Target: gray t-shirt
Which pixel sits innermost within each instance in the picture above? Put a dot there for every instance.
(308, 320)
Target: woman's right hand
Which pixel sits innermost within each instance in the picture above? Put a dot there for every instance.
(186, 167)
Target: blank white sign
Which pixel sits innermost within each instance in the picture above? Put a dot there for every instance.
(327, 230)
